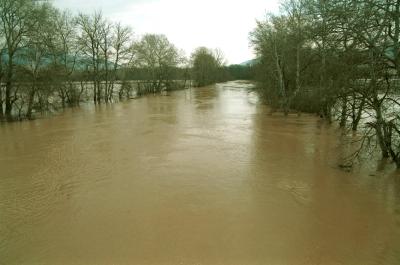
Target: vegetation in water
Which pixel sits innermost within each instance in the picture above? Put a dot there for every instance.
(339, 59)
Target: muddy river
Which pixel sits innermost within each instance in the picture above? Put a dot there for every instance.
(200, 176)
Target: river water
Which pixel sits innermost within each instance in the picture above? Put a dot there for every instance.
(201, 176)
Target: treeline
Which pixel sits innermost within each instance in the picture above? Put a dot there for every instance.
(209, 67)
(340, 59)
(239, 72)
(50, 57)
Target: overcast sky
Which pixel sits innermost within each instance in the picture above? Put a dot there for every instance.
(223, 24)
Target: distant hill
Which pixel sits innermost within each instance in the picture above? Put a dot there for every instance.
(250, 62)
(24, 57)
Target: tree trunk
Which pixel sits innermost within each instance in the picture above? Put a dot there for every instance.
(30, 102)
(62, 95)
(396, 36)
(95, 91)
(98, 92)
(1, 88)
(379, 128)
(8, 100)
(298, 85)
(397, 161)
(1, 103)
(343, 118)
(357, 115)
(8, 109)
(281, 80)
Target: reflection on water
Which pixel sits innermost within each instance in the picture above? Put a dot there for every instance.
(202, 176)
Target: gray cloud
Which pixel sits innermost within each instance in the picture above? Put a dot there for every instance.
(223, 24)
(108, 7)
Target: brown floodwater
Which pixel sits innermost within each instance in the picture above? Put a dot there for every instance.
(201, 176)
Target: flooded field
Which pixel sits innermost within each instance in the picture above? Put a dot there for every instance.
(200, 176)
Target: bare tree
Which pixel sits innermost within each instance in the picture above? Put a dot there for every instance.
(90, 38)
(105, 46)
(2, 54)
(297, 20)
(65, 52)
(270, 42)
(36, 52)
(206, 65)
(158, 56)
(122, 52)
(17, 19)
(346, 53)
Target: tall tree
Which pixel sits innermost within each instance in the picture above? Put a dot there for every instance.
(122, 44)
(90, 39)
(35, 54)
(206, 64)
(17, 18)
(65, 53)
(339, 55)
(158, 56)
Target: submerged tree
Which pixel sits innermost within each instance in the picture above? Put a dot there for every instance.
(51, 59)
(90, 39)
(206, 66)
(35, 55)
(321, 56)
(121, 54)
(18, 19)
(65, 52)
(158, 57)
